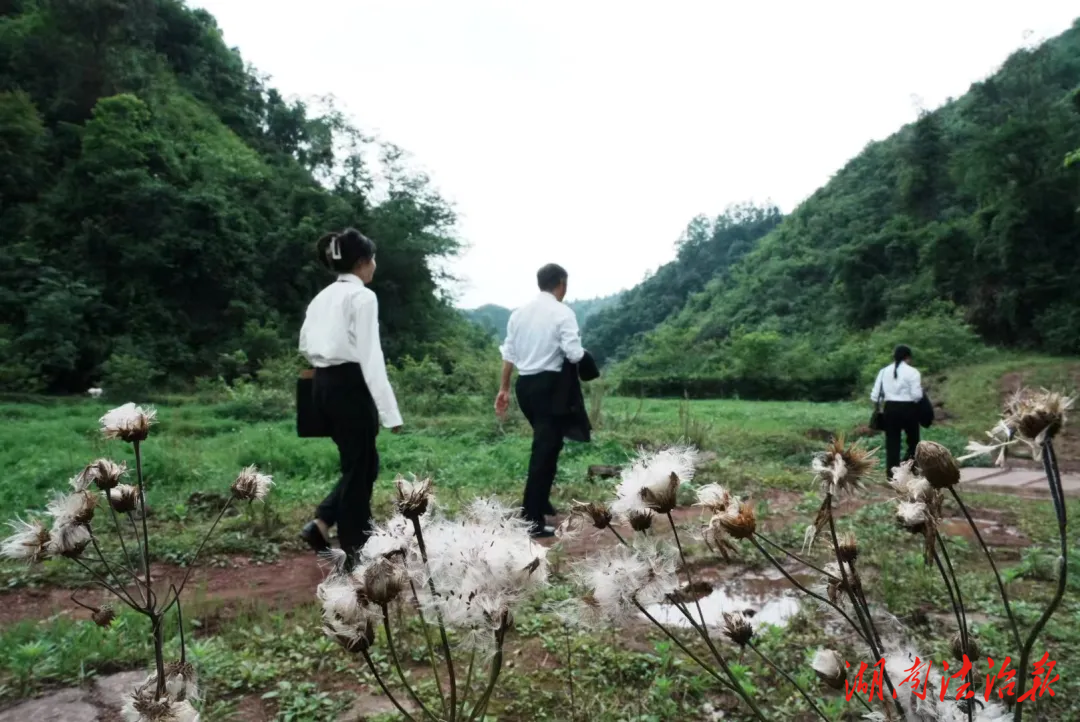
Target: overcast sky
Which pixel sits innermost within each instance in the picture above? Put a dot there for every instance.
(589, 132)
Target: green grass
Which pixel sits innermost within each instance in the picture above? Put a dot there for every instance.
(633, 677)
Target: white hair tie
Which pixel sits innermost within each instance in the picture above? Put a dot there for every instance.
(335, 247)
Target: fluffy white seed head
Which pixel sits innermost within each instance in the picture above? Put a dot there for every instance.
(250, 485)
(128, 422)
(30, 543)
(617, 580)
(652, 481)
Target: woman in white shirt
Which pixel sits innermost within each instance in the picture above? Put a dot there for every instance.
(352, 394)
(899, 387)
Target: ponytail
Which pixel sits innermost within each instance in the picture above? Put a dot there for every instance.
(900, 354)
(340, 252)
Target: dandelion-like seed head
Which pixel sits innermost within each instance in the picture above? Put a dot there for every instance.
(640, 521)
(937, 465)
(835, 585)
(181, 681)
(829, 667)
(105, 473)
(737, 628)
(1037, 415)
(250, 485)
(849, 547)
(68, 540)
(910, 485)
(597, 514)
(393, 538)
(714, 497)
(413, 497)
(738, 520)
(621, 578)
(143, 705)
(913, 516)
(76, 508)
(353, 638)
(103, 616)
(383, 580)
(843, 467)
(130, 423)
(30, 542)
(124, 498)
(956, 645)
(652, 481)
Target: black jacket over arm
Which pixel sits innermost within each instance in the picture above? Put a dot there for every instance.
(570, 401)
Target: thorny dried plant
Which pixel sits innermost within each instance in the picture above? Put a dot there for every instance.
(633, 578)
(463, 578)
(168, 694)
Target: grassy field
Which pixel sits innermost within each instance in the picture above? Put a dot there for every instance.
(262, 660)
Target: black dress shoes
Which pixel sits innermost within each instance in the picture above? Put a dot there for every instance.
(543, 532)
(314, 538)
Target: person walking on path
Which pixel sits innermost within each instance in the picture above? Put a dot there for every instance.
(543, 343)
(899, 387)
(351, 390)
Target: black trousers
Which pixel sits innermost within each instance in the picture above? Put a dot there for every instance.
(345, 404)
(901, 417)
(535, 395)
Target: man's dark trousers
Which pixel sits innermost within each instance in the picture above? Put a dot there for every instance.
(535, 395)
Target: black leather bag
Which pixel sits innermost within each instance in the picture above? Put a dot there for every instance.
(309, 422)
(877, 416)
(926, 412)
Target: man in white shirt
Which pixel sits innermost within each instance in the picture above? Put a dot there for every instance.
(541, 336)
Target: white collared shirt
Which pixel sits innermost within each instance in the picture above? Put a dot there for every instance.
(541, 335)
(906, 385)
(342, 326)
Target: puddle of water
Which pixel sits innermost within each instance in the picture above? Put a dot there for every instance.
(995, 533)
(774, 609)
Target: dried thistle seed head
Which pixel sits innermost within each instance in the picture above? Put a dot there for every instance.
(103, 616)
(835, 586)
(105, 473)
(354, 639)
(738, 629)
(143, 705)
(849, 547)
(129, 423)
(413, 497)
(662, 498)
(383, 581)
(830, 669)
(598, 514)
(843, 467)
(77, 508)
(937, 465)
(181, 681)
(713, 497)
(913, 516)
(250, 485)
(69, 540)
(1037, 415)
(640, 520)
(30, 542)
(956, 645)
(124, 498)
(738, 520)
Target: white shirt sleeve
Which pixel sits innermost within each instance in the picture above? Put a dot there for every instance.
(372, 361)
(507, 348)
(878, 392)
(916, 385)
(570, 337)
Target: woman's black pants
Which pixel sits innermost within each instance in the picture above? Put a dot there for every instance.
(345, 404)
(901, 417)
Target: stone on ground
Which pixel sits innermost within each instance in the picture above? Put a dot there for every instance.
(69, 705)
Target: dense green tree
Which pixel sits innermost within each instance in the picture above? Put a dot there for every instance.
(159, 203)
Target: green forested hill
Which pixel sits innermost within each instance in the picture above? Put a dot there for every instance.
(961, 229)
(705, 251)
(159, 202)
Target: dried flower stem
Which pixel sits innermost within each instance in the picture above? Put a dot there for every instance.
(703, 629)
(117, 581)
(993, 566)
(151, 602)
(957, 613)
(856, 582)
(965, 633)
(159, 652)
(397, 664)
(1053, 476)
(618, 536)
(806, 591)
(496, 668)
(794, 556)
(104, 583)
(442, 626)
(467, 689)
(570, 671)
(195, 557)
(124, 549)
(697, 660)
(431, 647)
(785, 675)
(849, 586)
(386, 690)
(87, 607)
